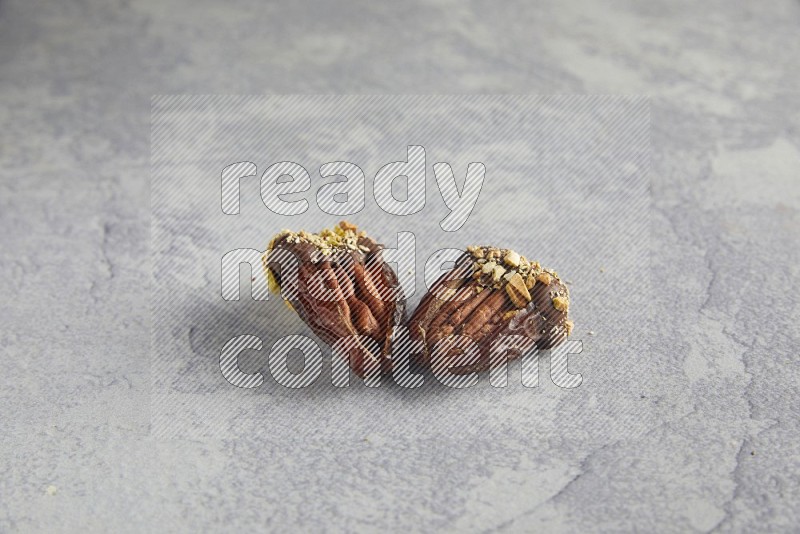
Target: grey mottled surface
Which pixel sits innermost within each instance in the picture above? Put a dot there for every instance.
(719, 449)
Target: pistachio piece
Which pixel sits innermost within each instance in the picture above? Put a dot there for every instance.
(561, 303)
(530, 281)
(568, 326)
(497, 273)
(517, 291)
(511, 259)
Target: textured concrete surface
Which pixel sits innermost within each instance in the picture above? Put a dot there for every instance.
(718, 450)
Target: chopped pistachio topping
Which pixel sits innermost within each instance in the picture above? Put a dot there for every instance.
(344, 236)
(561, 304)
(497, 268)
(512, 259)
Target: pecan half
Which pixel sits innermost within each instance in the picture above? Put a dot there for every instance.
(491, 292)
(341, 287)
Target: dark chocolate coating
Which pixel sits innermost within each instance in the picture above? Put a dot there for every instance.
(484, 316)
(368, 300)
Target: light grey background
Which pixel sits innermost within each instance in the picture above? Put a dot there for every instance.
(721, 449)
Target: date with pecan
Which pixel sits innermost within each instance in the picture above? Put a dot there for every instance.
(339, 284)
(491, 292)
